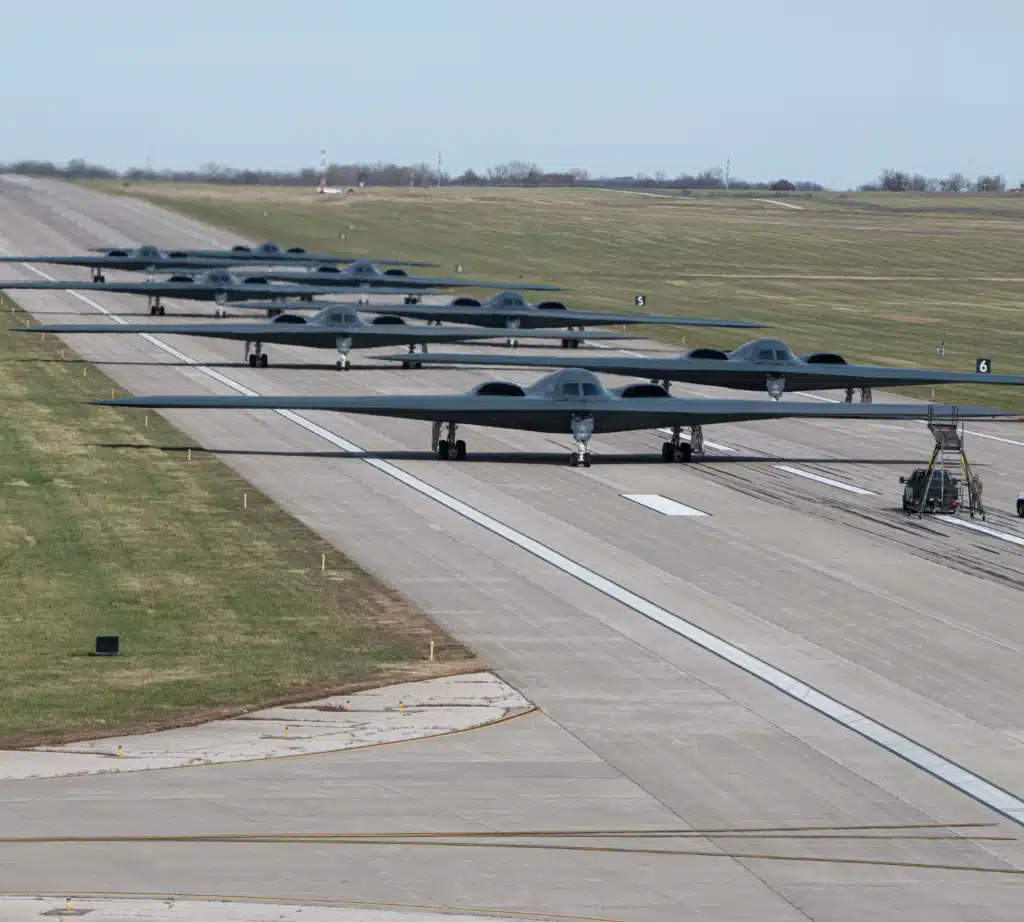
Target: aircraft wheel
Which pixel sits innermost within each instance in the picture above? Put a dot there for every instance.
(252, 361)
(574, 460)
(442, 449)
(405, 364)
(417, 364)
(574, 344)
(161, 310)
(152, 311)
(460, 450)
(566, 343)
(586, 459)
(264, 361)
(667, 451)
(684, 453)
(340, 365)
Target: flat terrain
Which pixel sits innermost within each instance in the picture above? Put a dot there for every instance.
(878, 278)
(915, 625)
(218, 606)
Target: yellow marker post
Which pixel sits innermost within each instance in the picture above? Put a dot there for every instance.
(399, 707)
(431, 651)
(67, 904)
(146, 421)
(323, 562)
(120, 752)
(245, 500)
(286, 733)
(111, 393)
(190, 454)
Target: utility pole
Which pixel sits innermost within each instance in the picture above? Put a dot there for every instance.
(439, 169)
(727, 173)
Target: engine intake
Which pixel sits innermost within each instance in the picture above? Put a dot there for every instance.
(240, 249)
(824, 358)
(334, 270)
(395, 272)
(643, 390)
(705, 353)
(181, 279)
(387, 320)
(295, 250)
(256, 280)
(551, 306)
(499, 389)
(289, 318)
(465, 302)
(118, 253)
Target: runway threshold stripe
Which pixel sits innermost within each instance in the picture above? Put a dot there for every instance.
(955, 775)
(662, 504)
(838, 484)
(984, 529)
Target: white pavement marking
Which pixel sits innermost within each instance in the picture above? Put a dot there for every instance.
(771, 201)
(815, 397)
(969, 783)
(662, 504)
(392, 714)
(984, 529)
(715, 445)
(838, 484)
(176, 908)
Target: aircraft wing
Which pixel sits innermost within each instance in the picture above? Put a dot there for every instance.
(729, 373)
(549, 317)
(128, 263)
(460, 282)
(516, 412)
(462, 408)
(253, 332)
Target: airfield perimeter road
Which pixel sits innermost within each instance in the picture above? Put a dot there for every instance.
(917, 625)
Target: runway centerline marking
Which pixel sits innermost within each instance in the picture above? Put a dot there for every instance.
(952, 773)
(662, 504)
(984, 529)
(838, 484)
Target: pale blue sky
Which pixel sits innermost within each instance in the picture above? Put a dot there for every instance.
(824, 91)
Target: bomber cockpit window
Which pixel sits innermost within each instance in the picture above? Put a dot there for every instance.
(148, 252)
(590, 390)
(766, 355)
(571, 389)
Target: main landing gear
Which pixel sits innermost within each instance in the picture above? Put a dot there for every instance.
(572, 343)
(257, 358)
(865, 395)
(412, 351)
(680, 451)
(582, 430)
(98, 277)
(344, 344)
(156, 309)
(449, 448)
(412, 299)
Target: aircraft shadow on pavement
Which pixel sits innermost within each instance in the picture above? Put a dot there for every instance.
(507, 457)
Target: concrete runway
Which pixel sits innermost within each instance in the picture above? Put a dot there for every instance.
(916, 625)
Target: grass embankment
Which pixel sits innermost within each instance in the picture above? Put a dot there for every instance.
(850, 258)
(218, 607)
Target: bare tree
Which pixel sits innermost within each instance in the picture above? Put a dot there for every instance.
(894, 181)
(954, 182)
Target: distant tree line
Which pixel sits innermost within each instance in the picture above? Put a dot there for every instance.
(901, 181)
(512, 173)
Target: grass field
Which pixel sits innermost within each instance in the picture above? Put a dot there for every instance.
(214, 615)
(879, 278)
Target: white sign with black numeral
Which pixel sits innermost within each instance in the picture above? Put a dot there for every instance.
(640, 300)
(983, 366)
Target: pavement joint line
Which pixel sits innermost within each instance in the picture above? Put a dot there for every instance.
(957, 776)
(838, 484)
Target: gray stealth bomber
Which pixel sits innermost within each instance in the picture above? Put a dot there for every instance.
(571, 400)
(147, 259)
(269, 253)
(337, 326)
(217, 285)
(763, 364)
